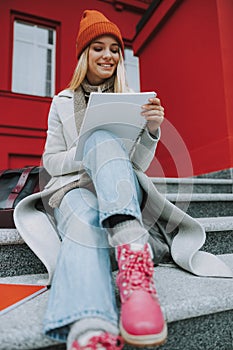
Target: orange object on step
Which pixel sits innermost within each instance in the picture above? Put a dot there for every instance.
(12, 295)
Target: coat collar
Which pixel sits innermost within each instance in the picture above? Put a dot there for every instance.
(66, 93)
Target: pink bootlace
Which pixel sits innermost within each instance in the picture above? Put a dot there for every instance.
(136, 272)
(105, 340)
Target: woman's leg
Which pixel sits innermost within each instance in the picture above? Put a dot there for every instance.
(142, 322)
(118, 191)
(82, 288)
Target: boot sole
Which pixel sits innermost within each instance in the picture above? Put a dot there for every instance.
(144, 340)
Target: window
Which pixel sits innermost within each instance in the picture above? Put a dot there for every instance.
(132, 69)
(33, 59)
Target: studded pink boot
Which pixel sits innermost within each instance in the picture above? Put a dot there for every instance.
(105, 341)
(142, 322)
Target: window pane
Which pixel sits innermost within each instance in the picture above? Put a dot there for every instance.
(41, 71)
(23, 67)
(49, 73)
(49, 56)
(23, 31)
(132, 69)
(41, 35)
(48, 89)
(50, 37)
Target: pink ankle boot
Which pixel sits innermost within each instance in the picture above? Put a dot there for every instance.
(105, 341)
(142, 322)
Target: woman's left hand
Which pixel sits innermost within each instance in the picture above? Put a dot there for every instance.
(153, 112)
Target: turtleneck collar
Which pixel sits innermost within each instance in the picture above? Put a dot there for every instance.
(106, 86)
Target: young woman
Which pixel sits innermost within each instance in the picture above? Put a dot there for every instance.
(103, 201)
(98, 207)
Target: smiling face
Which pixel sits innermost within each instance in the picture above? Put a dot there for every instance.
(103, 59)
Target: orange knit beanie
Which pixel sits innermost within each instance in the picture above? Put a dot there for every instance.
(93, 24)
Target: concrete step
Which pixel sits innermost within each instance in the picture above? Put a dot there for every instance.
(19, 259)
(16, 258)
(203, 205)
(193, 185)
(198, 310)
(219, 234)
(217, 224)
(21, 328)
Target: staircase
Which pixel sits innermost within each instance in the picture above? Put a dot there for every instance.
(199, 310)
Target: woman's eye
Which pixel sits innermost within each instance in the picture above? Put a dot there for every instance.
(97, 48)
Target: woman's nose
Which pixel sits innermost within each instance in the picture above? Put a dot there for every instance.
(107, 54)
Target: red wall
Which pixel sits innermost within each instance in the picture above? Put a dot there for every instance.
(186, 55)
(23, 118)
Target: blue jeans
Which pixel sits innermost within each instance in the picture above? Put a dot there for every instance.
(82, 287)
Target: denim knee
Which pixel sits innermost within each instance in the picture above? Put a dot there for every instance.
(78, 219)
(100, 136)
(78, 204)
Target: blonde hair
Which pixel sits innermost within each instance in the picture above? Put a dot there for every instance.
(120, 83)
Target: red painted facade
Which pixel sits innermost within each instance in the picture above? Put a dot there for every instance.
(23, 118)
(186, 53)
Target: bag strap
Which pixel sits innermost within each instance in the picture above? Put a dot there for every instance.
(18, 188)
(2, 172)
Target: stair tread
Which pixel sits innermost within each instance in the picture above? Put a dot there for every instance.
(182, 296)
(203, 181)
(221, 223)
(179, 197)
(10, 236)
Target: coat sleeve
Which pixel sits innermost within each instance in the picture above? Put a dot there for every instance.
(145, 150)
(57, 158)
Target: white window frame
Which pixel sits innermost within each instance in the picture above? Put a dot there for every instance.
(33, 87)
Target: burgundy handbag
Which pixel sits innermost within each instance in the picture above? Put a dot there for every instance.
(16, 184)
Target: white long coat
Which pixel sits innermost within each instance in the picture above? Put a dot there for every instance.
(39, 231)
